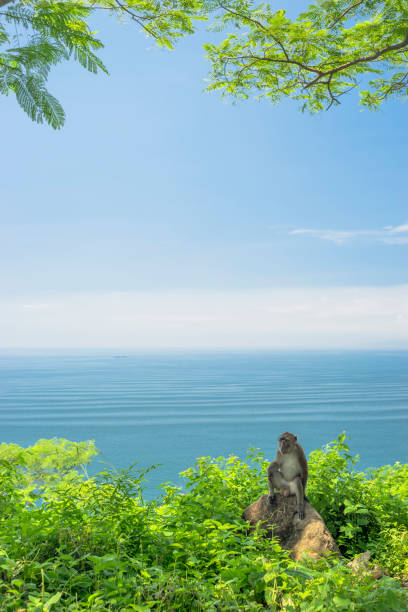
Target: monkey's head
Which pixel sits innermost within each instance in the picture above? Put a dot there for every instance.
(287, 442)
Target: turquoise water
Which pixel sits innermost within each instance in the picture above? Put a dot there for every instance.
(171, 408)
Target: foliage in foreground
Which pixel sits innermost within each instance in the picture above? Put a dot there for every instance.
(36, 35)
(331, 48)
(69, 542)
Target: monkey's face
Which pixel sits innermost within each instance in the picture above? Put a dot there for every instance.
(286, 442)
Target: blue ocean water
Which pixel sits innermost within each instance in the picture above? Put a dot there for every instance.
(171, 408)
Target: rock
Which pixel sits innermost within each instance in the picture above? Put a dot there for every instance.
(360, 565)
(280, 520)
(377, 572)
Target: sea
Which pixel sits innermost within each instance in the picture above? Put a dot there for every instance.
(169, 408)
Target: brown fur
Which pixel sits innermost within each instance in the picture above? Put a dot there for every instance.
(288, 472)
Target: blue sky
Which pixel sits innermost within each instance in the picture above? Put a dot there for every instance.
(154, 187)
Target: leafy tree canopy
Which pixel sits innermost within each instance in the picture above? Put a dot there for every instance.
(333, 47)
(38, 34)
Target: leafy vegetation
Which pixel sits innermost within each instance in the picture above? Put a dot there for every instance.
(36, 35)
(331, 48)
(70, 542)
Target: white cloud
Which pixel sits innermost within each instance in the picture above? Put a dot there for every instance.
(395, 240)
(354, 317)
(399, 228)
(35, 306)
(386, 235)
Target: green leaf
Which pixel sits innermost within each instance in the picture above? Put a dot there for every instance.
(52, 600)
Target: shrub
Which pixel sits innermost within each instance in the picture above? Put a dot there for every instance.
(362, 511)
(71, 543)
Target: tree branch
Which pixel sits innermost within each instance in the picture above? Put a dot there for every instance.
(360, 60)
(333, 99)
(241, 16)
(395, 86)
(258, 23)
(344, 13)
(135, 18)
(289, 61)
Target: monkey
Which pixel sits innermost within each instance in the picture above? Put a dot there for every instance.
(288, 472)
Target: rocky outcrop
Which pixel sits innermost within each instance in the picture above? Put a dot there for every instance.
(360, 565)
(279, 519)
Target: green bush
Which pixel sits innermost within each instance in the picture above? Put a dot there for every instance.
(69, 542)
(362, 511)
